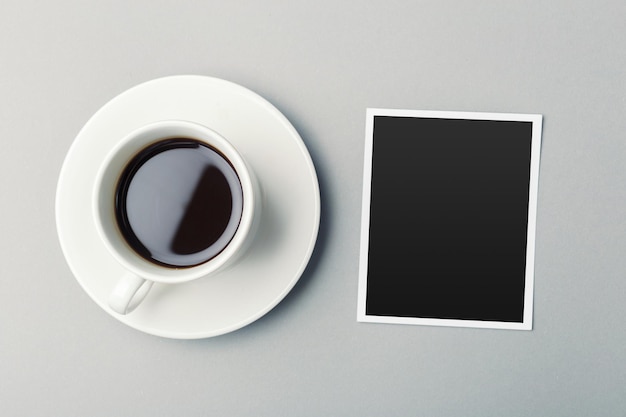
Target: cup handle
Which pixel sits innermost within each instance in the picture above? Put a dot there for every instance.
(128, 293)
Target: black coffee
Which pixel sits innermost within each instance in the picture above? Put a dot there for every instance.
(178, 203)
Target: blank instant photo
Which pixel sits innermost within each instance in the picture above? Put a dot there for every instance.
(448, 222)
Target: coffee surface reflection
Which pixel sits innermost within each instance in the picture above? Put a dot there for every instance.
(178, 203)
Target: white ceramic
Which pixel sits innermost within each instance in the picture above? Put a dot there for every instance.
(287, 228)
(140, 274)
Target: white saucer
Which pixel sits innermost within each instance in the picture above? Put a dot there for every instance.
(288, 228)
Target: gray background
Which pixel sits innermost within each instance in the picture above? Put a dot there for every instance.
(322, 63)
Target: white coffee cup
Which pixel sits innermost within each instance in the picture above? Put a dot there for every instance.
(142, 271)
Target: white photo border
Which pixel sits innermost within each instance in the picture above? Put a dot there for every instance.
(527, 321)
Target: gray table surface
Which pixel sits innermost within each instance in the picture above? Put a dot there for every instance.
(322, 63)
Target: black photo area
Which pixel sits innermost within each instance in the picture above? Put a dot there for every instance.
(448, 218)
